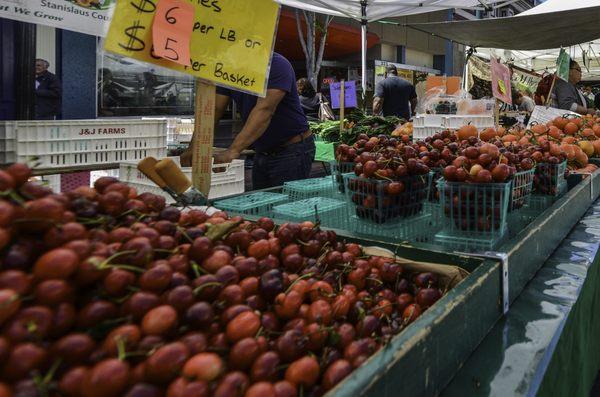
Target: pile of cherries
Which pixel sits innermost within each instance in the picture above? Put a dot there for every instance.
(104, 292)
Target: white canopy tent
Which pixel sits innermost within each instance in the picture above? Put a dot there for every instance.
(587, 54)
(367, 11)
(552, 24)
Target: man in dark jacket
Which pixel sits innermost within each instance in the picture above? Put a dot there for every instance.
(48, 92)
(394, 96)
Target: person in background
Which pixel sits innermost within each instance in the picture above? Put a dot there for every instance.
(48, 92)
(395, 96)
(566, 95)
(309, 100)
(274, 126)
(589, 96)
(525, 103)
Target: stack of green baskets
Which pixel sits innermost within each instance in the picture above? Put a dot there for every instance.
(258, 204)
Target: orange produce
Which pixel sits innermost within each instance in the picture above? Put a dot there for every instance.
(539, 129)
(571, 128)
(596, 129)
(587, 132)
(467, 131)
(488, 134)
(560, 122)
(569, 151)
(596, 145)
(587, 147)
(554, 132)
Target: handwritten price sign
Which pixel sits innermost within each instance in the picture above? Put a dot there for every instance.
(227, 45)
(172, 30)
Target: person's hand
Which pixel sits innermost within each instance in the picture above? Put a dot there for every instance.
(225, 157)
(185, 159)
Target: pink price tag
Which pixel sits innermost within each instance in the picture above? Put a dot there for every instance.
(172, 30)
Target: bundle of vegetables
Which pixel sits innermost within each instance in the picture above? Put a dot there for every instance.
(355, 124)
(105, 293)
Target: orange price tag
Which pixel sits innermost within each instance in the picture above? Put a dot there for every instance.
(172, 30)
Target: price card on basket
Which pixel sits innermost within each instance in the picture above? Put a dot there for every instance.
(172, 30)
(230, 44)
(349, 94)
(543, 114)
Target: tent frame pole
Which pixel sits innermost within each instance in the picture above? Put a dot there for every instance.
(363, 54)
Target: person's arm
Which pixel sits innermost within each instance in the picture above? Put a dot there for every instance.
(377, 105)
(378, 98)
(221, 103)
(53, 91)
(257, 123)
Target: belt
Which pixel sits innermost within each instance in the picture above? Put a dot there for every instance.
(298, 138)
(295, 139)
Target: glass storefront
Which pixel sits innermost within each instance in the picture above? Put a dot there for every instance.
(130, 88)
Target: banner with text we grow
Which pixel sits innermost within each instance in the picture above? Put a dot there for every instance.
(83, 16)
(231, 41)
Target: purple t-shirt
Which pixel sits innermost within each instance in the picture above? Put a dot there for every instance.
(289, 119)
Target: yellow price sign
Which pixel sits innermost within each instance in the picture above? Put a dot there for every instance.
(231, 40)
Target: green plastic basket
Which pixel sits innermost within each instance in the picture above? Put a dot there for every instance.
(451, 241)
(550, 179)
(338, 170)
(330, 212)
(420, 228)
(307, 188)
(520, 193)
(474, 211)
(259, 203)
(372, 201)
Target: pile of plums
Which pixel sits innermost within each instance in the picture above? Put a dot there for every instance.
(104, 292)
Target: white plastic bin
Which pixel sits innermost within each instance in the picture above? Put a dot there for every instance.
(479, 121)
(428, 120)
(7, 142)
(231, 181)
(420, 133)
(65, 143)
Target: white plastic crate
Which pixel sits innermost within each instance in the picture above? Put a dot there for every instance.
(428, 120)
(7, 142)
(454, 121)
(65, 143)
(223, 184)
(425, 132)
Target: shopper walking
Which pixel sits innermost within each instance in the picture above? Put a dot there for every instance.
(395, 96)
(48, 92)
(274, 126)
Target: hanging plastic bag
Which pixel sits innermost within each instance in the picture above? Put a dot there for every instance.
(325, 111)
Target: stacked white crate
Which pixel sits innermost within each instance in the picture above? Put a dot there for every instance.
(482, 122)
(426, 125)
(7, 142)
(72, 143)
(230, 181)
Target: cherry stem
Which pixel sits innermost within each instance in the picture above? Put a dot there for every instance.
(199, 289)
(307, 275)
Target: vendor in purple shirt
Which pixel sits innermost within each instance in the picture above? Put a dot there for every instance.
(274, 126)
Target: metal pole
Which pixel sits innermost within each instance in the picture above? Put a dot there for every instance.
(363, 31)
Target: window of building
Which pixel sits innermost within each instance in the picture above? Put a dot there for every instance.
(130, 88)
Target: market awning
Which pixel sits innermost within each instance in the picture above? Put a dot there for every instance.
(553, 27)
(378, 9)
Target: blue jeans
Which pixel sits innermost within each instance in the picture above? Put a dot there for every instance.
(285, 164)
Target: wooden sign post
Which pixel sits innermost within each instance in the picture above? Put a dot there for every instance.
(204, 128)
(342, 104)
